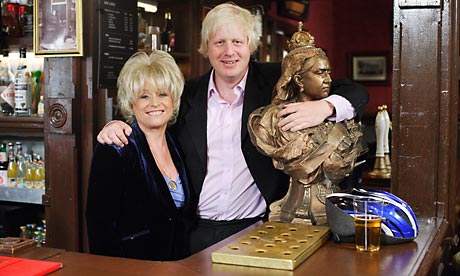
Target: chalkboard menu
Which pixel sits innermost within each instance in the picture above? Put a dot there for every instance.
(117, 39)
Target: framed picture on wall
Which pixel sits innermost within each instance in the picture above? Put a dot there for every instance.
(58, 28)
(369, 67)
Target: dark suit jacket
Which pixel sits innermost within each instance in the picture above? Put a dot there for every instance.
(130, 211)
(190, 129)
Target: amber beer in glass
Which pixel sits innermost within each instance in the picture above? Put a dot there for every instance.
(368, 221)
(367, 231)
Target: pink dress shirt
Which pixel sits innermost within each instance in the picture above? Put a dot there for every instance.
(229, 191)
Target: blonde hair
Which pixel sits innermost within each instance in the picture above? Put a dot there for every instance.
(228, 14)
(158, 68)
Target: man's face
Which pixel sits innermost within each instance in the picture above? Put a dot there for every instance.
(229, 53)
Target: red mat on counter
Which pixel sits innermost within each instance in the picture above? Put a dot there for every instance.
(25, 267)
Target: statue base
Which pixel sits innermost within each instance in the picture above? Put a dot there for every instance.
(303, 203)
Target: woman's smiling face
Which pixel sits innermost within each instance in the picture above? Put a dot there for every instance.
(153, 108)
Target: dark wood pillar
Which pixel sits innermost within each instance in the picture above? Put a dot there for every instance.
(425, 105)
(61, 198)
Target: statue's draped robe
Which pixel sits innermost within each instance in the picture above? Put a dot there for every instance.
(321, 156)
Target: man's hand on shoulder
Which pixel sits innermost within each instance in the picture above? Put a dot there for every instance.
(301, 115)
(114, 132)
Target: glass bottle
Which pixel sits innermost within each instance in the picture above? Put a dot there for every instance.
(22, 87)
(30, 173)
(19, 148)
(38, 238)
(151, 39)
(20, 171)
(39, 175)
(20, 16)
(6, 85)
(141, 28)
(41, 107)
(8, 18)
(172, 35)
(27, 17)
(29, 231)
(3, 165)
(257, 14)
(12, 166)
(23, 234)
(44, 237)
(13, 9)
(167, 34)
(36, 87)
(3, 26)
(20, 166)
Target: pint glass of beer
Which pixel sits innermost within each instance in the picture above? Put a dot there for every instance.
(368, 219)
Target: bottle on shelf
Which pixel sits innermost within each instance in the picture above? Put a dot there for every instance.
(168, 36)
(151, 41)
(38, 237)
(20, 172)
(36, 87)
(22, 87)
(39, 175)
(30, 228)
(3, 28)
(12, 167)
(41, 107)
(268, 56)
(21, 166)
(27, 17)
(20, 16)
(141, 28)
(6, 86)
(257, 14)
(8, 19)
(44, 237)
(3, 165)
(29, 172)
(23, 234)
(14, 20)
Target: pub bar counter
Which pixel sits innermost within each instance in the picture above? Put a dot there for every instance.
(413, 258)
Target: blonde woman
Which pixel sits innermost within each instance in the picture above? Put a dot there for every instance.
(138, 196)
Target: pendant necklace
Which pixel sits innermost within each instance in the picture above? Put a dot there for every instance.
(172, 184)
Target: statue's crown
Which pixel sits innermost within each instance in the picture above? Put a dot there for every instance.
(301, 38)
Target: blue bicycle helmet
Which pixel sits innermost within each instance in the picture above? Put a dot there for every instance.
(399, 223)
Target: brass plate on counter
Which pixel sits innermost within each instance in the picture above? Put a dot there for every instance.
(274, 245)
(13, 245)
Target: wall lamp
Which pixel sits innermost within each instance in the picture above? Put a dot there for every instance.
(148, 5)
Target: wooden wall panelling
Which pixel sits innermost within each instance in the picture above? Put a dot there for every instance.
(416, 107)
(89, 100)
(453, 210)
(62, 197)
(62, 210)
(425, 110)
(456, 209)
(87, 135)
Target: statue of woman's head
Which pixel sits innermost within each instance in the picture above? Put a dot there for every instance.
(305, 71)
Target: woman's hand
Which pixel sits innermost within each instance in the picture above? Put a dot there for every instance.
(114, 132)
(301, 115)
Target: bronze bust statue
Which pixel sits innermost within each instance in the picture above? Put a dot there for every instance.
(316, 158)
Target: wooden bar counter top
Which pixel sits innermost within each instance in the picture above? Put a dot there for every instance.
(414, 258)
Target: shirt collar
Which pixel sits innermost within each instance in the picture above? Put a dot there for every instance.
(238, 89)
